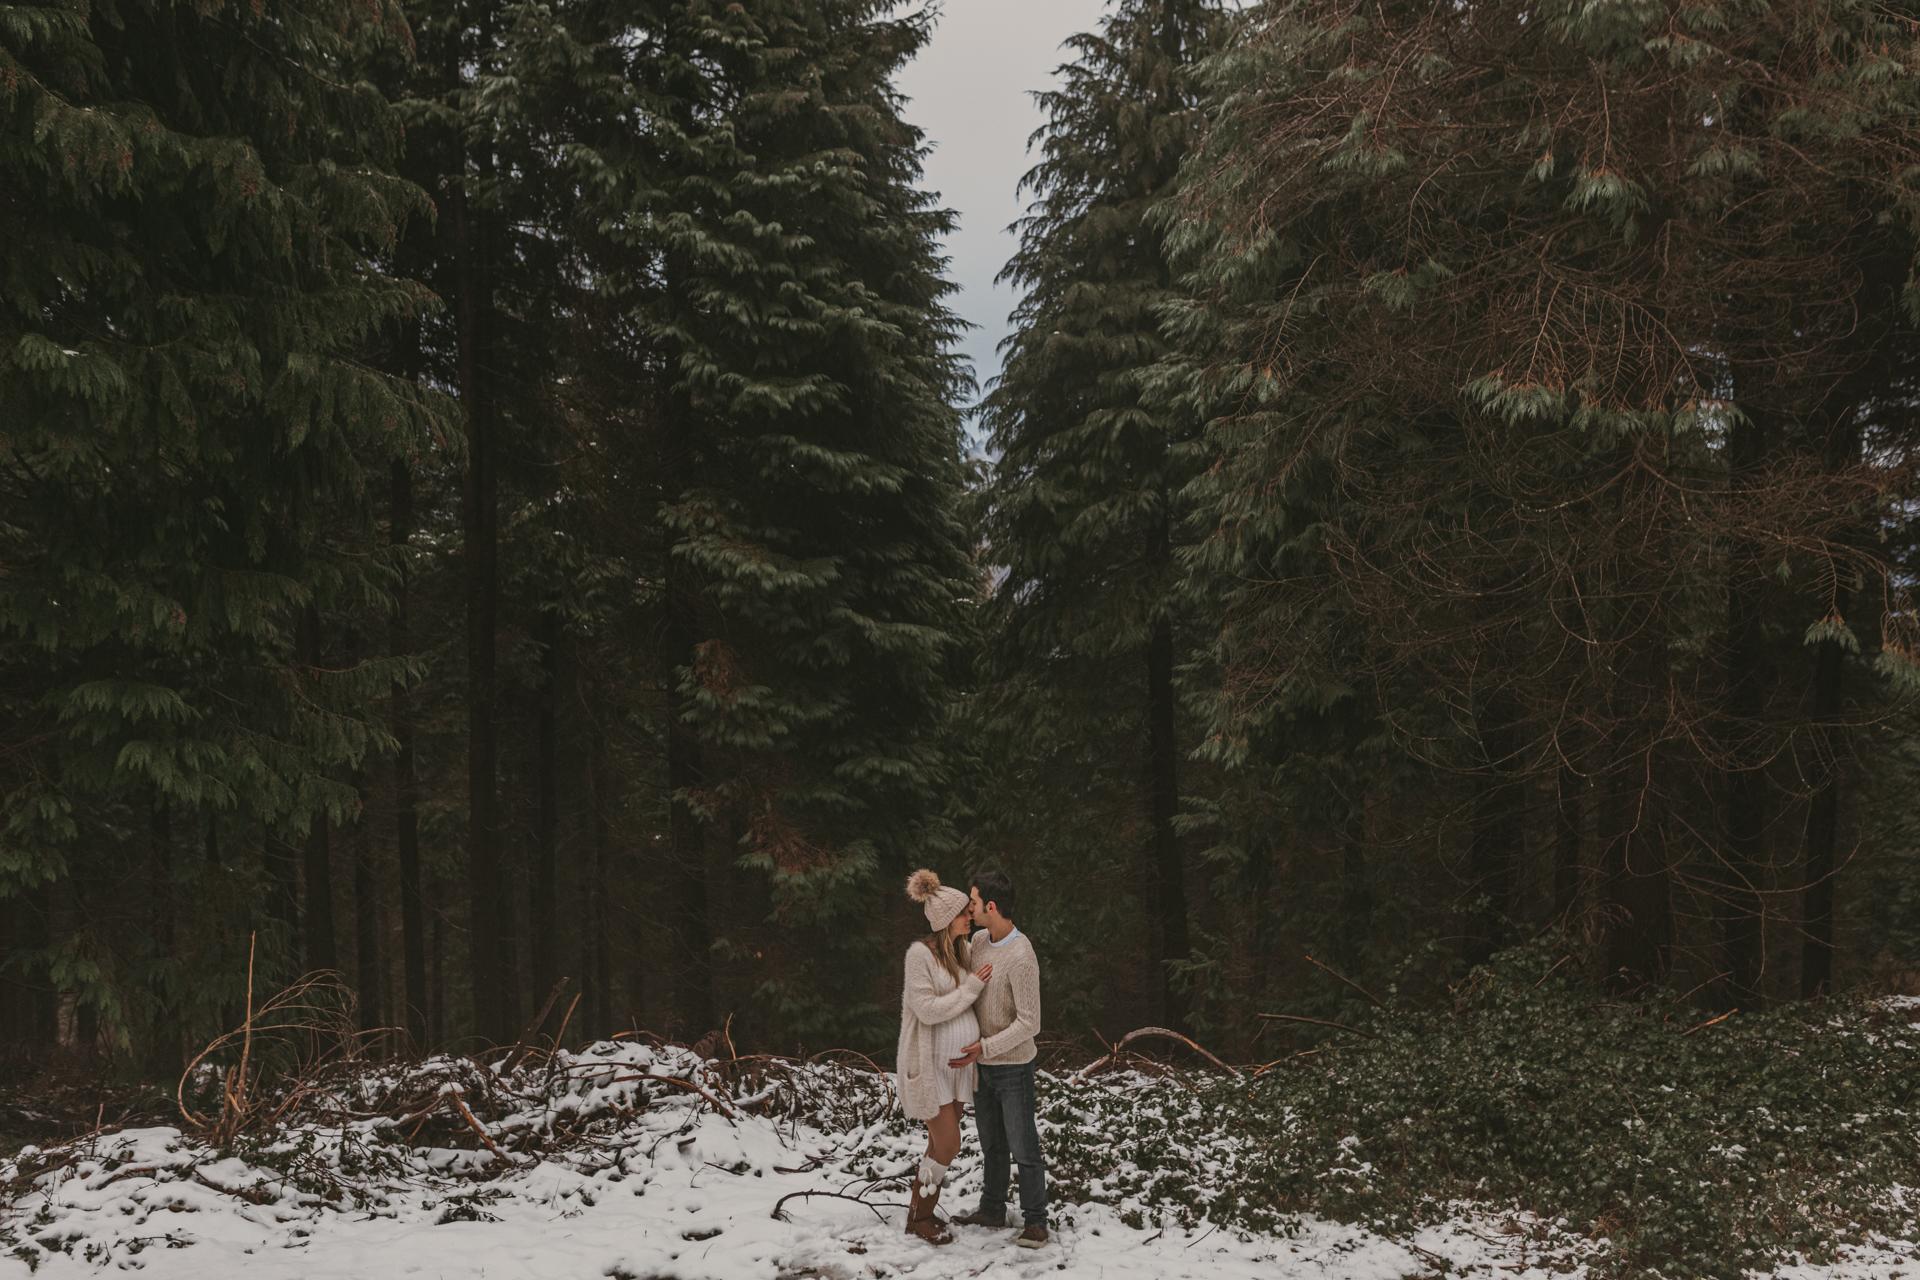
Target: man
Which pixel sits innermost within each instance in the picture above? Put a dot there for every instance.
(1009, 1013)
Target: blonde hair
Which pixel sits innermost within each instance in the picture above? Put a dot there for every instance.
(951, 952)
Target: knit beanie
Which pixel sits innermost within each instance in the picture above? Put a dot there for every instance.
(942, 904)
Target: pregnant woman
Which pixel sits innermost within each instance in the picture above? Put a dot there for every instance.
(936, 1026)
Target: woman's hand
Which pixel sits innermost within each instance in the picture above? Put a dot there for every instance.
(984, 972)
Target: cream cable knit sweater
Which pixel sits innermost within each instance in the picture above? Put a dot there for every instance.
(922, 1008)
(1009, 1012)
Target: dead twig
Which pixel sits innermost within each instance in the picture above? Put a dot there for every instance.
(238, 1193)
(525, 1041)
(1114, 1051)
(1349, 981)
(1709, 1022)
(718, 1105)
(477, 1128)
(778, 1216)
(1318, 1022)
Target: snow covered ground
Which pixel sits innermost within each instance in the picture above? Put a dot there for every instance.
(657, 1184)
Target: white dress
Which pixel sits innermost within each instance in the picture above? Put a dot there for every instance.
(949, 1039)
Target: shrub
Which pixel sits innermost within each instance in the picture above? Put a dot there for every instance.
(1694, 1148)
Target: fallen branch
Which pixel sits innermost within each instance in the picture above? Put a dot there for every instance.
(779, 1216)
(27, 1179)
(718, 1105)
(458, 1102)
(885, 1078)
(132, 1171)
(1131, 1036)
(1709, 1022)
(525, 1042)
(1318, 1022)
(238, 1193)
(1349, 981)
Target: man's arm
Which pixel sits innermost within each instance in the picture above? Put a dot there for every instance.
(1025, 989)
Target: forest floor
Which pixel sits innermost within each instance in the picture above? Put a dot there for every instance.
(645, 1162)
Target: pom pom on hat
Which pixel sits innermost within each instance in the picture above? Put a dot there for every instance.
(942, 904)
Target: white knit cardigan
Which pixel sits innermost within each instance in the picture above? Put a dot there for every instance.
(922, 1008)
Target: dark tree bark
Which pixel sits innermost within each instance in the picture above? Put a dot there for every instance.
(284, 878)
(1821, 842)
(686, 829)
(545, 924)
(687, 832)
(692, 996)
(1638, 878)
(369, 971)
(1163, 800)
(321, 950)
(480, 550)
(1356, 905)
(169, 1045)
(406, 787)
(1569, 786)
(1495, 856)
(437, 976)
(1745, 791)
(598, 970)
(1823, 832)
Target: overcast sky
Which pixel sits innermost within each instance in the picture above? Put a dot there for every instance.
(969, 91)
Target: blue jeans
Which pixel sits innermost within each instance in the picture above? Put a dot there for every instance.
(1003, 1111)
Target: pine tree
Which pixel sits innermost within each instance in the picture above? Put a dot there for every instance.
(196, 198)
(1540, 354)
(1080, 509)
(750, 181)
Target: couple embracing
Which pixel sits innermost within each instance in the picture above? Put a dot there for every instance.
(967, 1020)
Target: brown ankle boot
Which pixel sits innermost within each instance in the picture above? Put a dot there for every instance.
(920, 1219)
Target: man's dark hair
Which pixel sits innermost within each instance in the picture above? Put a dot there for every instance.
(994, 887)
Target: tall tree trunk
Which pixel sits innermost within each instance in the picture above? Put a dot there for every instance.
(406, 787)
(545, 924)
(686, 829)
(1569, 786)
(1163, 800)
(169, 1039)
(1495, 856)
(437, 974)
(598, 969)
(1823, 830)
(321, 949)
(283, 875)
(369, 971)
(692, 999)
(1637, 868)
(1638, 879)
(1821, 840)
(480, 548)
(1744, 789)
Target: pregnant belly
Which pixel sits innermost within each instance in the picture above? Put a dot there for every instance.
(956, 1034)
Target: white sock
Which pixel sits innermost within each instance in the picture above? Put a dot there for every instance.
(932, 1175)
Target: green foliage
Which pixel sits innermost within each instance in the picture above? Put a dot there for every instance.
(1695, 1149)
(1078, 510)
(1490, 508)
(197, 199)
(1643, 1138)
(752, 188)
